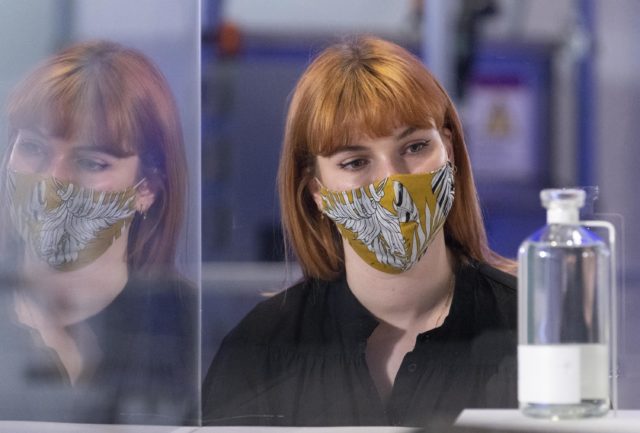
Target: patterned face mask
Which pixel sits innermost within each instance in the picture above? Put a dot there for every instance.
(65, 225)
(391, 223)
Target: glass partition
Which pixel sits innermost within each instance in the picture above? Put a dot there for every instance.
(99, 233)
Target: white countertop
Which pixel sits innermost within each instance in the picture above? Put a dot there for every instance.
(52, 427)
(512, 419)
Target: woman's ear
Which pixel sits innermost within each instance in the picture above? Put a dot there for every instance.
(314, 187)
(447, 139)
(145, 197)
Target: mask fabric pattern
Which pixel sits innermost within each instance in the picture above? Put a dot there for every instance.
(390, 223)
(65, 225)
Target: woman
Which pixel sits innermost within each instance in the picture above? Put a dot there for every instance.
(102, 329)
(404, 316)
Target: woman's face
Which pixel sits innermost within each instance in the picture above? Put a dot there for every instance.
(406, 151)
(98, 226)
(74, 161)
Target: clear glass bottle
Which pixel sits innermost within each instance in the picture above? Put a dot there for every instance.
(563, 296)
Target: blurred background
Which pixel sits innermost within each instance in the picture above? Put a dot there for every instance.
(547, 89)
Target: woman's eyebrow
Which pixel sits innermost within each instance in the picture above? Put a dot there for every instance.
(410, 130)
(108, 150)
(30, 134)
(345, 149)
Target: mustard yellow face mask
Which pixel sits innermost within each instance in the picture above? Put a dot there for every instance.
(65, 225)
(390, 223)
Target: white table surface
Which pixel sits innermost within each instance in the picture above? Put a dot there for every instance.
(499, 419)
(511, 419)
(52, 427)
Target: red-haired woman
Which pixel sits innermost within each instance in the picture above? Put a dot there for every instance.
(405, 316)
(94, 186)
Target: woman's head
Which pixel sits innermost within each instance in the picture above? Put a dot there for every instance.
(366, 87)
(102, 116)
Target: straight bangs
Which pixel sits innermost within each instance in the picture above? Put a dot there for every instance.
(371, 100)
(74, 105)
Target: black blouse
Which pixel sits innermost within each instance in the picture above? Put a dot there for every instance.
(299, 359)
(147, 369)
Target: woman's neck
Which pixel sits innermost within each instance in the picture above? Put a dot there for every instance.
(51, 302)
(66, 298)
(409, 300)
(76, 346)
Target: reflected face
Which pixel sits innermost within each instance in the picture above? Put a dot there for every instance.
(70, 202)
(73, 161)
(406, 151)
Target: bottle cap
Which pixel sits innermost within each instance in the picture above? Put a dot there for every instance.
(563, 205)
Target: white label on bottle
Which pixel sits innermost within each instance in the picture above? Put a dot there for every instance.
(594, 368)
(549, 374)
(553, 374)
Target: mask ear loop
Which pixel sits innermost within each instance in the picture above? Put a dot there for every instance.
(319, 182)
(140, 182)
(135, 188)
(315, 178)
(454, 168)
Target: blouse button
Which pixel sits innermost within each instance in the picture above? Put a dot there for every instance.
(412, 367)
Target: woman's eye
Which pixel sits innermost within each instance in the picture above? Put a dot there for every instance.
(416, 147)
(92, 164)
(353, 164)
(30, 148)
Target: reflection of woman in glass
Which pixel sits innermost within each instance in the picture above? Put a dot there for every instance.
(404, 317)
(94, 181)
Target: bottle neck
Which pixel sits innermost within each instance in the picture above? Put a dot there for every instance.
(569, 216)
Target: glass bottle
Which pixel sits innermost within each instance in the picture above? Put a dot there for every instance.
(563, 331)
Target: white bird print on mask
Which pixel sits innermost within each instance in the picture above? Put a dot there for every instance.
(70, 227)
(66, 229)
(375, 226)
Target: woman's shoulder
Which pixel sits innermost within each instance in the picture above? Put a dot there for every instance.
(166, 289)
(167, 282)
(495, 294)
(152, 305)
(289, 315)
(501, 281)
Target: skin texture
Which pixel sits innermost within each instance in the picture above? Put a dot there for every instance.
(414, 301)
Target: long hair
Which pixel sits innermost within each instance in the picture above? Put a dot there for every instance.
(367, 86)
(112, 97)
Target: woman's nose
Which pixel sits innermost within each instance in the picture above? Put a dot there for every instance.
(391, 166)
(58, 168)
